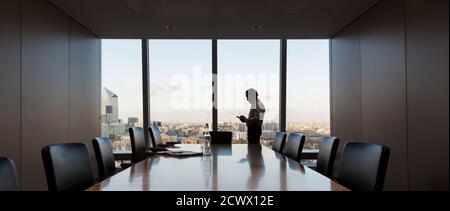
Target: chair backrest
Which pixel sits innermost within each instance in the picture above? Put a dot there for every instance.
(138, 146)
(8, 175)
(105, 157)
(294, 146)
(155, 135)
(327, 154)
(363, 166)
(67, 167)
(221, 137)
(279, 142)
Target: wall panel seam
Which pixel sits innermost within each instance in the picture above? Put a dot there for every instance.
(361, 128)
(20, 91)
(68, 75)
(406, 93)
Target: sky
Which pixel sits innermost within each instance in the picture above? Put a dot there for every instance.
(122, 74)
(180, 78)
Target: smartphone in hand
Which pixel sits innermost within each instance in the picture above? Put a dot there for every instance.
(242, 118)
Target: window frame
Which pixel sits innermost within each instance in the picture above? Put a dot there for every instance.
(214, 81)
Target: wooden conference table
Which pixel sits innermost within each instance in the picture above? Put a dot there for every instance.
(237, 167)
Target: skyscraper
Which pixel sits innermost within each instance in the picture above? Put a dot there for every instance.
(110, 106)
(112, 126)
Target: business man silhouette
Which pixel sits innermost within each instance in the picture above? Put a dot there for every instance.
(255, 117)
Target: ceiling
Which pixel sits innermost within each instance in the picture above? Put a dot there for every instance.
(134, 19)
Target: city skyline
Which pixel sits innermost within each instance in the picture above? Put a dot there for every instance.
(191, 133)
(178, 121)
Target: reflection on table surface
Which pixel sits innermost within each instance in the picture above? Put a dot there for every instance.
(237, 167)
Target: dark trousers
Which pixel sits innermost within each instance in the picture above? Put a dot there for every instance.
(253, 134)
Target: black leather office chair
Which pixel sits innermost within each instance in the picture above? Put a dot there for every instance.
(67, 167)
(155, 135)
(327, 154)
(8, 175)
(363, 166)
(221, 137)
(105, 157)
(139, 149)
(294, 146)
(279, 142)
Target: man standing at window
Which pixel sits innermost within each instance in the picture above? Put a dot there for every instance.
(255, 117)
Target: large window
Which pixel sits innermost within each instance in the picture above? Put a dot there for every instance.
(244, 64)
(180, 88)
(308, 106)
(121, 105)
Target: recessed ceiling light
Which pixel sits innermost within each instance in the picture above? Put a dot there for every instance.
(170, 27)
(256, 27)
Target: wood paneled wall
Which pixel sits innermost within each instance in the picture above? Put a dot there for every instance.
(389, 76)
(50, 84)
